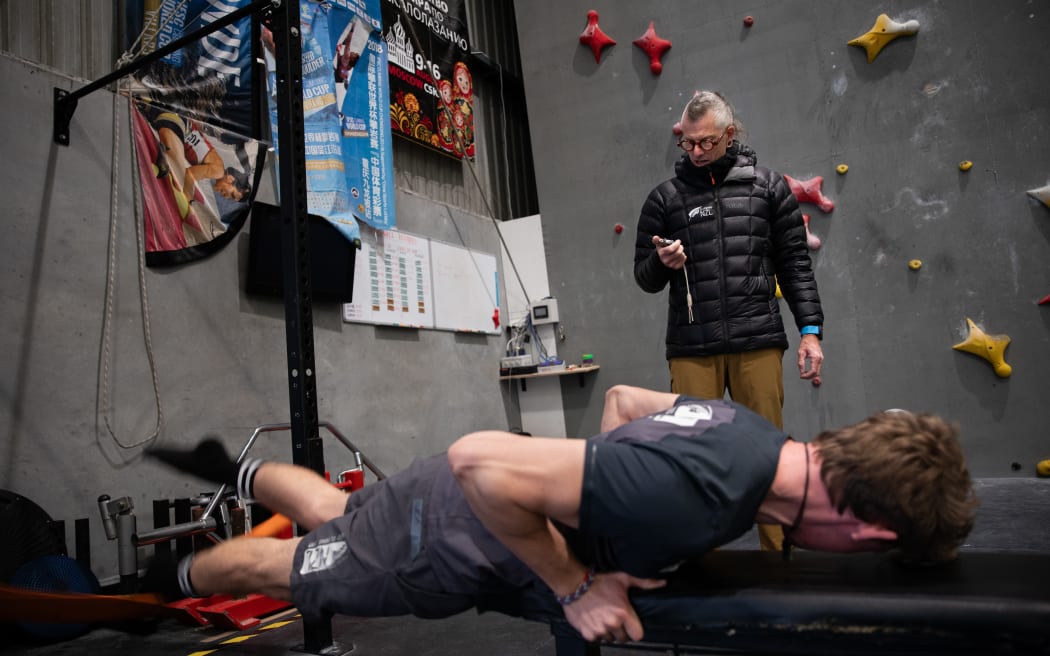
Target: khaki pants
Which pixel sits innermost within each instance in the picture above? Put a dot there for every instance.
(754, 379)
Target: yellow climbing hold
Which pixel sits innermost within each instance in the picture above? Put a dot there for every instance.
(1043, 468)
(989, 347)
(841, 169)
(914, 265)
(965, 165)
(885, 30)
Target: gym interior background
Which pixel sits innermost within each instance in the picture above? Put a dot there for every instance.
(579, 143)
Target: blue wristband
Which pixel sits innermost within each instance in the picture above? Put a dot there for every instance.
(810, 330)
(588, 579)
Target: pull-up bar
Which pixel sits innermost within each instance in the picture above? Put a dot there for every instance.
(66, 101)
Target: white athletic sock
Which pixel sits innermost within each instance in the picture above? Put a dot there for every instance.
(246, 479)
(183, 573)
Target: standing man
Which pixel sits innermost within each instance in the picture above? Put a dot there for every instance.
(721, 233)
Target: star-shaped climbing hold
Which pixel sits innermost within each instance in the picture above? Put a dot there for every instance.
(989, 347)
(1042, 194)
(654, 47)
(885, 30)
(808, 191)
(594, 37)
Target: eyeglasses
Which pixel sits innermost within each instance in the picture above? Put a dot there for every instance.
(706, 144)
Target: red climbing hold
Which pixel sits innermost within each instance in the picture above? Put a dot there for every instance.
(808, 191)
(594, 37)
(654, 47)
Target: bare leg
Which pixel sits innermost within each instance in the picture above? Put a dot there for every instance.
(624, 403)
(298, 493)
(173, 149)
(244, 566)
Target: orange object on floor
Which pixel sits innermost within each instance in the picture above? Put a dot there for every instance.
(22, 605)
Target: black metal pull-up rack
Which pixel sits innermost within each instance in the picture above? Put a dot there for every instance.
(282, 17)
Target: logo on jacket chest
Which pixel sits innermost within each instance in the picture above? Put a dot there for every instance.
(703, 211)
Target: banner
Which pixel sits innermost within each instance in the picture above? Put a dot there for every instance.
(209, 80)
(431, 86)
(196, 182)
(362, 87)
(349, 167)
(193, 126)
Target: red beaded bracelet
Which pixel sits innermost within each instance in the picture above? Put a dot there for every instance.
(588, 579)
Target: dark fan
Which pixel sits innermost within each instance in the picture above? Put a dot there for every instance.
(29, 534)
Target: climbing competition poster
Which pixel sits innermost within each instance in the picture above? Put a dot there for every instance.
(349, 167)
(195, 129)
(431, 85)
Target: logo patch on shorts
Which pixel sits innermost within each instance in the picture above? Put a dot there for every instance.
(687, 414)
(324, 555)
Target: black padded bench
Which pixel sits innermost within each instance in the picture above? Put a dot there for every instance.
(752, 602)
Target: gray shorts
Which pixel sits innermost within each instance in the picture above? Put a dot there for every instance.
(407, 545)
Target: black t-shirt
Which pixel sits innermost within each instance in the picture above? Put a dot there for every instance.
(673, 485)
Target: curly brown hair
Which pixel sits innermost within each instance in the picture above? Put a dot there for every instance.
(907, 472)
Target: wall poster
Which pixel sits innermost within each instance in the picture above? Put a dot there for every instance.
(431, 86)
(197, 157)
(349, 165)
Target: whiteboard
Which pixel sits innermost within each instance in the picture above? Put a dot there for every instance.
(466, 284)
(525, 267)
(392, 281)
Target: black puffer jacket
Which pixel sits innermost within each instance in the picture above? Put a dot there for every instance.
(740, 225)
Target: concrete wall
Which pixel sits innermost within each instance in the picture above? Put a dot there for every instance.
(220, 356)
(969, 86)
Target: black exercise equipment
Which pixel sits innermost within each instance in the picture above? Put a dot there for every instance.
(753, 602)
(29, 533)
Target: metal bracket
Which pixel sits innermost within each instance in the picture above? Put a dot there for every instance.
(65, 105)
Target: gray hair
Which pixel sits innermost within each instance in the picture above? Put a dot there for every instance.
(710, 101)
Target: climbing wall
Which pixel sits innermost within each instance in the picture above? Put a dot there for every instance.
(916, 136)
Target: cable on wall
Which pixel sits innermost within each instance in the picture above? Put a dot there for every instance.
(102, 406)
(473, 172)
(102, 403)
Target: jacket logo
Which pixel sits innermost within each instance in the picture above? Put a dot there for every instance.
(705, 211)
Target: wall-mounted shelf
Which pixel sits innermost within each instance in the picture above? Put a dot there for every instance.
(582, 369)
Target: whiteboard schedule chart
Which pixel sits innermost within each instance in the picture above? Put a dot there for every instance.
(392, 283)
(406, 280)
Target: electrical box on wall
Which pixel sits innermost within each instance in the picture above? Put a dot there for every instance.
(544, 311)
